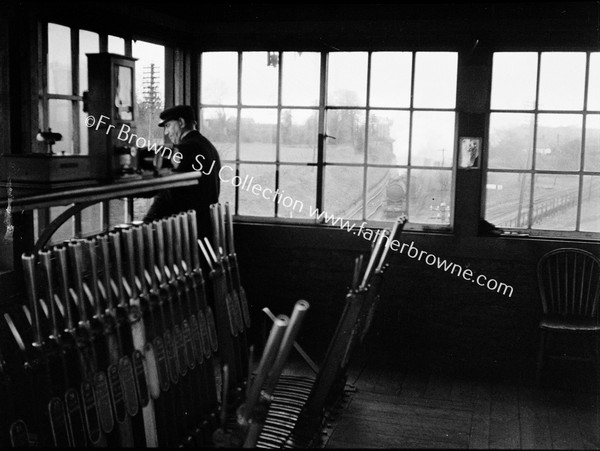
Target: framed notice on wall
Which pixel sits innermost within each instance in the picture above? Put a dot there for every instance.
(470, 150)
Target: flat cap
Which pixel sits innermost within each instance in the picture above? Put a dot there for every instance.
(178, 111)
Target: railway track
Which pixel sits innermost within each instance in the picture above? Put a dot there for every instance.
(506, 214)
(375, 200)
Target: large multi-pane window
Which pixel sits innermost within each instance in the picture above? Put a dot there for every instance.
(358, 135)
(544, 142)
(64, 80)
(61, 110)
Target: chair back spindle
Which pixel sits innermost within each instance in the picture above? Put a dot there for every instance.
(569, 282)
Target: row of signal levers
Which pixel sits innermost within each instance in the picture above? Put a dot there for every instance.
(116, 345)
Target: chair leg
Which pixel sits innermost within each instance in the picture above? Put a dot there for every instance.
(540, 358)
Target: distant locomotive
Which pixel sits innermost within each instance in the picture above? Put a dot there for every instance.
(395, 196)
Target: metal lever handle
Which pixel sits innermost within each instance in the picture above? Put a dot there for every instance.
(210, 250)
(76, 258)
(194, 238)
(265, 364)
(222, 232)
(61, 255)
(90, 245)
(169, 248)
(229, 216)
(205, 253)
(372, 259)
(176, 243)
(185, 237)
(357, 267)
(130, 252)
(150, 255)
(397, 228)
(138, 234)
(160, 249)
(103, 240)
(115, 240)
(214, 216)
(289, 339)
(46, 263)
(310, 362)
(30, 285)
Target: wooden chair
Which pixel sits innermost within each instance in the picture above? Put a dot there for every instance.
(569, 285)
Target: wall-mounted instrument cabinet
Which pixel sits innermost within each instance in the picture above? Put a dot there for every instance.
(48, 171)
(110, 101)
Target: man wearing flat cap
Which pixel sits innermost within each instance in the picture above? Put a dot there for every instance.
(180, 127)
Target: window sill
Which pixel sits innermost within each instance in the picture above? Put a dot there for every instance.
(299, 222)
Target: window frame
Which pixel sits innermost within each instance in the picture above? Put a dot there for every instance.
(322, 110)
(42, 216)
(531, 171)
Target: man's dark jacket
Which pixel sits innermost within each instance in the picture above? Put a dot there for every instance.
(198, 154)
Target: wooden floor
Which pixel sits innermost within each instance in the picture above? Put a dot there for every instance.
(399, 408)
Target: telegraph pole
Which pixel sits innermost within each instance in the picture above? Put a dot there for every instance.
(151, 93)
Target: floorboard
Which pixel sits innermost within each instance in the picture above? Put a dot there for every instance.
(504, 418)
(535, 424)
(564, 427)
(404, 408)
(479, 436)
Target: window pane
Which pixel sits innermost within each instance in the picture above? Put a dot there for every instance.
(91, 219)
(558, 142)
(388, 137)
(511, 140)
(65, 231)
(390, 79)
(507, 199)
(386, 193)
(343, 195)
(116, 45)
(258, 131)
(60, 120)
(590, 206)
(117, 212)
(435, 79)
(514, 81)
(593, 100)
(429, 196)
(257, 177)
(150, 88)
(219, 78)
(299, 187)
(59, 60)
(259, 79)
(227, 193)
(432, 138)
(298, 131)
(562, 78)
(347, 79)
(88, 43)
(592, 142)
(555, 202)
(348, 127)
(300, 78)
(219, 125)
